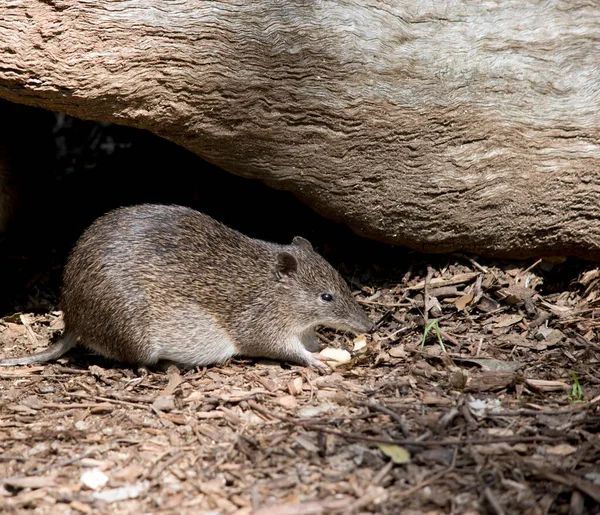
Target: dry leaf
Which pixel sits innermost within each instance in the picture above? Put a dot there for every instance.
(397, 352)
(195, 397)
(554, 338)
(563, 449)
(499, 431)
(288, 401)
(295, 386)
(487, 304)
(559, 311)
(464, 301)
(129, 473)
(315, 411)
(493, 365)
(213, 486)
(438, 281)
(490, 381)
(547, 386)
(79, 506)
(176, 418)
(268, 383)
(399, 455)
(164, 403)
(306, 443)
(590, 276)
(174, 381)
(508, 320)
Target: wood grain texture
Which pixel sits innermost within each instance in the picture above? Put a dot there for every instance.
(446, 125)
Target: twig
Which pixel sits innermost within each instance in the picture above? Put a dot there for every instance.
(159, 467)
(69, 370)
(363, 501)
(314, 507)
(12, 376)
(438, 281)
(384, 318)
(319, 426)
(389, 312)
(6, 457)
(29, 330)
(426, 295)
(529, 269)
(471, 422)
(432, 479)
(372, 405)
(378, 478)
(451, 339)
(107, 399)
(385, 304)
(39, 471)
(565, 478)
(472, 261)
(496, 507)
(533, 413)
(81, 405)
(393, 335)
(447, 418)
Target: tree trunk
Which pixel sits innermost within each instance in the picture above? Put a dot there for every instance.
(442, 125)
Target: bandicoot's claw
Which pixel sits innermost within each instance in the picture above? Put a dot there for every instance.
(320, 357)
(317, 362)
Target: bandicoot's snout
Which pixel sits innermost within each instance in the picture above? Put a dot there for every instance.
(363, 324)
(369, 327)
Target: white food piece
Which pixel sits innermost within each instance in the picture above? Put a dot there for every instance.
(359, 343)
(335, 357)
(94, 479)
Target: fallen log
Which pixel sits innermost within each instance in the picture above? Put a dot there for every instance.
(441, 126)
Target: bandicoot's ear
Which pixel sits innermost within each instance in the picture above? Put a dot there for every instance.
(286, 265)
(301, 242)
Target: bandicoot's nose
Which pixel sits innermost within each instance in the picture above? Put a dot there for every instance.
(366, 325)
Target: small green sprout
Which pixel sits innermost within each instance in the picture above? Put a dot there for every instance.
(577, 391)
(434, 324)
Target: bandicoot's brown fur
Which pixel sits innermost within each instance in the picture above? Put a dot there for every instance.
(153, 282)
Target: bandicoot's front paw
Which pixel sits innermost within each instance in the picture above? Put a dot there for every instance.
(317, 361)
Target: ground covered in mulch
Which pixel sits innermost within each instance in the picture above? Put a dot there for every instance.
(478, 393)
(502, 416)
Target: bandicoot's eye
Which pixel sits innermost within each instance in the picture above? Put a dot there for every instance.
(326, 297)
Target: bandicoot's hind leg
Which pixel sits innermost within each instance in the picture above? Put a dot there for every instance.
(62, 346)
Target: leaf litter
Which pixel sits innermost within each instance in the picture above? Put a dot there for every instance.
(490, 421)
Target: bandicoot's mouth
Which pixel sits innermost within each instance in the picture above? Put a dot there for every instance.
(361, 324)
(365, 328)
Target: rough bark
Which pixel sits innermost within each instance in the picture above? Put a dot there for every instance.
(447, 125)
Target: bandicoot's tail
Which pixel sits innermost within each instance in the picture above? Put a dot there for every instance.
(62, 346)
